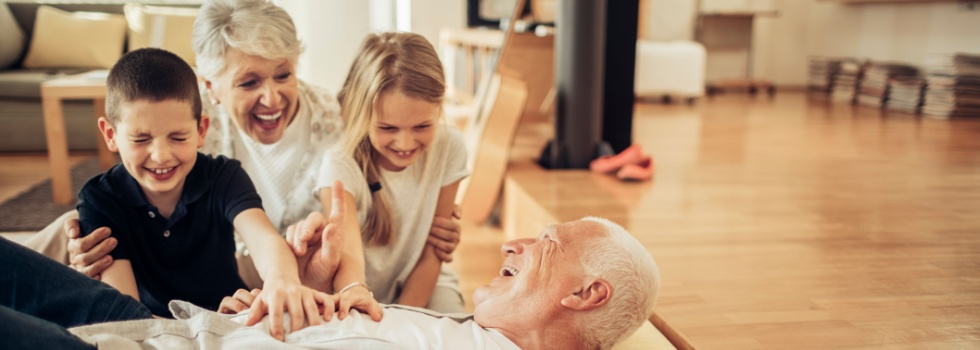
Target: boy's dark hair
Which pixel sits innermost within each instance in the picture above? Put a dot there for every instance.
(154, 75)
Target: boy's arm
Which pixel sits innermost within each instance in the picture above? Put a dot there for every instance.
(120, 275)
(422, 281)
(276, 265)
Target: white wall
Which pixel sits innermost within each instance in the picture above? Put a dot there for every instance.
(332, 30)
(429, 16)
(889, 31)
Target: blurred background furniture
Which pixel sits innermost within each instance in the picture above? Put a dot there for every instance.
(670, 69)
(35, 47)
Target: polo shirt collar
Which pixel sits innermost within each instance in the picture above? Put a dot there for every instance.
(130, 192)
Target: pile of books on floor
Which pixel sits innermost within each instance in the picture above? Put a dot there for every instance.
(953, 86)
(823, 71)
(847, 80)
(874, 85)
(905, 94)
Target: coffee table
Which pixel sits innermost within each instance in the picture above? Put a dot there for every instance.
(83, 86)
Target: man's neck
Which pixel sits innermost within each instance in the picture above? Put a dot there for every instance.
(554, 335)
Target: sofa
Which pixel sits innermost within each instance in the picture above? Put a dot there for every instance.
(105, 30)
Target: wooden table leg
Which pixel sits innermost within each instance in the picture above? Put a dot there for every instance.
(106, 158)
(54, 129)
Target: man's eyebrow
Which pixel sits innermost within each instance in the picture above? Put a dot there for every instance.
(548, 230)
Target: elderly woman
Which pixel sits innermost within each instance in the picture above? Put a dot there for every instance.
(261, 114)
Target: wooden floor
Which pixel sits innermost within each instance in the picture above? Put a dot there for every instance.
(779, 224)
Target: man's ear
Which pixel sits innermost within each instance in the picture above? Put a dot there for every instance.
(108, 134)
(593, 294)
(202, 129)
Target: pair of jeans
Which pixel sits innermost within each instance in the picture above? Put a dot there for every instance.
(40, 298)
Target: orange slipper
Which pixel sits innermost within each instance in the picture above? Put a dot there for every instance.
(608, 164)
(641, 171)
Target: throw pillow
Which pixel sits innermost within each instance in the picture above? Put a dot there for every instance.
(78, 40)
(11, 37)
(168, 28)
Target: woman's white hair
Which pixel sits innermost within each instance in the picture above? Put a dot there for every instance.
(622, 261)
(255, 27)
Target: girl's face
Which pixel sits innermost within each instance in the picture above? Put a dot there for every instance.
(260, 95)
(402, 129)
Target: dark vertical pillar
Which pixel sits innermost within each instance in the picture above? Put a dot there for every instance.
(579, 60)
(622, 19)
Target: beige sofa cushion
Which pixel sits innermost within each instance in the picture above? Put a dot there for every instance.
(11, 37)
(168, 28)
(79, 39)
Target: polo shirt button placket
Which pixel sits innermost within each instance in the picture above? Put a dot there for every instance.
(166, 233)
(151, 214)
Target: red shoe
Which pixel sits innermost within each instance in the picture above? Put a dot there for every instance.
(608, 164)
(641, 171)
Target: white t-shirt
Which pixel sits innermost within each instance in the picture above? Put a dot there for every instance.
(412, 194)
(284, 172)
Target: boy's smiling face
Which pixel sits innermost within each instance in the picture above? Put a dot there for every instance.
(157, 142)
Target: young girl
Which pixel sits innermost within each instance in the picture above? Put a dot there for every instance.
(400, 168)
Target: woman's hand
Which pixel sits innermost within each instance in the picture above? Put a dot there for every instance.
(278, 296)
(239, 302)
(90, 254)
(444, 235)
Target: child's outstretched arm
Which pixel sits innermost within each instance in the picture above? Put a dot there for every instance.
(422, 281)
(276, 264)
(350, 275)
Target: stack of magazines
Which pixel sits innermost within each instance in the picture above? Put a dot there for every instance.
(952, 86)
(846, 81)
(874, 86)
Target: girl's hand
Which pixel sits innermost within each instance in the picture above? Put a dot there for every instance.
(444, 235)
(360, 298)
(278, 296)
(318, 243)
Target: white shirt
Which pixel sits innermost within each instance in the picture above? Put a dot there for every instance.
(284, 172)
(412, 194)
(400, 328)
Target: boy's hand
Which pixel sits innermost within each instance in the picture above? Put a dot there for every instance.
(444, 235)
(359, 298)
(318, 242)
(90, 254)
(302, 303)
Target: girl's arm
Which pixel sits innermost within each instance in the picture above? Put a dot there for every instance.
(351, 268)
(422, 281)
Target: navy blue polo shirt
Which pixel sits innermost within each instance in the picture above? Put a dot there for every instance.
(189, 257)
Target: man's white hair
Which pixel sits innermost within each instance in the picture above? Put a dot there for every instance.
(255, 27)
(621, 260)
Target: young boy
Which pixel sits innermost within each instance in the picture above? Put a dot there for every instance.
(173, 210)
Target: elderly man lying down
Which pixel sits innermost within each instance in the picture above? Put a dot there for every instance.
(582, 284)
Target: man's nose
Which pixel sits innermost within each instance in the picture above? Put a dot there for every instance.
(516, 246)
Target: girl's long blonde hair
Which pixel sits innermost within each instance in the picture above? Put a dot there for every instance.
(402, 62)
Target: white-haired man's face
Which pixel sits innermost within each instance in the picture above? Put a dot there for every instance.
(540, 275)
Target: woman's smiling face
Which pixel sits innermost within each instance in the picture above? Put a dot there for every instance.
(260, 95)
